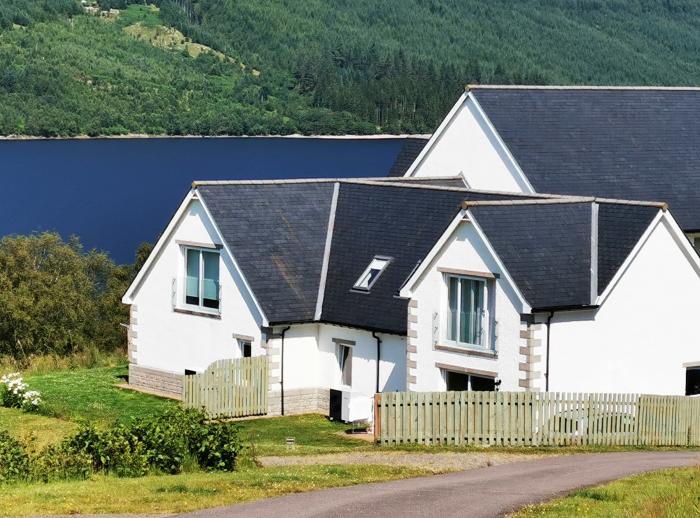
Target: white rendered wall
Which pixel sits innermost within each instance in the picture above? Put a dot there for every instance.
(465, 250)
(310, 359)
(468, 146)
(642, 334)
(172, 341)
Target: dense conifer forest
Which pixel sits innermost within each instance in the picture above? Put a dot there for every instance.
(318, 66)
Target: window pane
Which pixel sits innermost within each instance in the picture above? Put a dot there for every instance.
(192, 277)
(345, 364)
(480, 384)
(452, 313)
(457, 381)
(210, 283)
(471, 311)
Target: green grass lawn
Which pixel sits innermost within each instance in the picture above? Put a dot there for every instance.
(93, 395)
(668, 493)
(186, 492)
(313, 434)
(45, 430)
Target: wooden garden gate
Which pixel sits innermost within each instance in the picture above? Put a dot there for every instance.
(229, 388)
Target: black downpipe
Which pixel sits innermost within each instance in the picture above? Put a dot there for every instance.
(379, 356)
(546, 372)
(282, 370)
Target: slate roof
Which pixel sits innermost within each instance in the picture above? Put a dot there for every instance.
(637, 144)
(277, 233)
(411, 148)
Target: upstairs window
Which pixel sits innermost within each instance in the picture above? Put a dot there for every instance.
(202, 278)
(372, 273)
(466, 309)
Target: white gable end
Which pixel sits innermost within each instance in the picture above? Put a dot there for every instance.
(169, 336)
(466, 143)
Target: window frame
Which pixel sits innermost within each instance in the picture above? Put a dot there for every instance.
(242, 345)
(486, 325)
(201, 308)
(356, 286)
(343, 364)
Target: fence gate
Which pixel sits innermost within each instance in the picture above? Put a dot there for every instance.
(229, 388)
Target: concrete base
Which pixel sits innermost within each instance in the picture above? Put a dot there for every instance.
(300, 401)
(156, 381)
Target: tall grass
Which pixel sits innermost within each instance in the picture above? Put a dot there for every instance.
(43, 364)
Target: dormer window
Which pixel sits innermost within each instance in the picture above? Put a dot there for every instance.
(372, 273)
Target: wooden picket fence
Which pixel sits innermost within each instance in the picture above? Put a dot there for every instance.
(229, 388)
(536, 418)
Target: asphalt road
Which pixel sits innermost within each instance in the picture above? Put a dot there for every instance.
(483, 492)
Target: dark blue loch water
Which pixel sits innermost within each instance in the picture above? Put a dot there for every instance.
(117, 193)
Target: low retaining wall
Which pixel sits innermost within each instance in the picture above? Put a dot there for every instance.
(300, 401)
(153, 380)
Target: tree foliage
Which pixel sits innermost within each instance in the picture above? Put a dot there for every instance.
(56, 298)
(350, 66)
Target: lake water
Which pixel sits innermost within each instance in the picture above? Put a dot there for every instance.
(117, 193)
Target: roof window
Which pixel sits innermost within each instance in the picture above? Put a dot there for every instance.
(372, 273)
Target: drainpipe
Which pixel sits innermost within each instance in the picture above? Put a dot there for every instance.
(546, 372)
(282, 370)
(379, 355)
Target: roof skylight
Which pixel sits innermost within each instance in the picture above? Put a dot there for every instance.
(372, 273)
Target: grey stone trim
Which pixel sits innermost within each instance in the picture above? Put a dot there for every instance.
(412, 333)
(131, 334)
(412, 318)
(156, 380)
(529, 349)
(411, 380)
(310, 400)
(466, 351)
(243, 338)
(466, 370)
(412, 303)
(411, 349)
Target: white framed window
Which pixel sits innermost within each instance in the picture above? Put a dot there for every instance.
(466, 322)
(246, 348)
(372, 272)
(344, 356)
(201, 278)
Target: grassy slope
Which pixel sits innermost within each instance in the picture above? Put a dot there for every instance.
(668, 493)
(92, 395)
(180, 493)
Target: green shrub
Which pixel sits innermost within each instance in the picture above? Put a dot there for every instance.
(14, 461)
(57, 462)
(167, 443)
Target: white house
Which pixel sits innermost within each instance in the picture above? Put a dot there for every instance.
(636, 143)
(415, 284)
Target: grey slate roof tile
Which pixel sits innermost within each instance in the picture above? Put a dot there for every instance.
(630, 144)
(277, 233)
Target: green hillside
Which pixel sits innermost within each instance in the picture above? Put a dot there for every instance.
(342, 66)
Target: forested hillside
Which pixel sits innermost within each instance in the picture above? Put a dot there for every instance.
(317, 66)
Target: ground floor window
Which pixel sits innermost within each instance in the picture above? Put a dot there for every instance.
(246, 348)
(692, 381)
(344, 355)
(463, 381)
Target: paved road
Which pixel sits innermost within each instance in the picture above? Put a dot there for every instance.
(477, 493)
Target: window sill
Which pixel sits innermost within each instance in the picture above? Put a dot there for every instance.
(468, 351)
(198, 312)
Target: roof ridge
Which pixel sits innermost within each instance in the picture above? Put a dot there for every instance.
(561, 200)
(469, 87)
(327, 252)
(282, 181)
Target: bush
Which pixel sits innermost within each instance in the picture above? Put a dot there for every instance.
(14, 461)
(168, 443)
(15, 393)
(59, 463)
